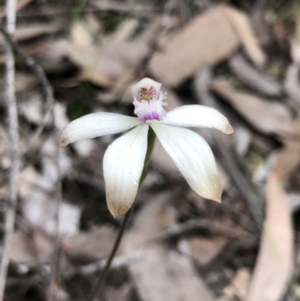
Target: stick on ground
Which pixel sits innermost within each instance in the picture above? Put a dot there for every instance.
(49, 99)
(13, 130)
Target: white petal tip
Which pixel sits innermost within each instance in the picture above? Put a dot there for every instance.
(63, 140)
(217, 199)
(228, 129)
(117, 210)
(214, 192)
(215, 195)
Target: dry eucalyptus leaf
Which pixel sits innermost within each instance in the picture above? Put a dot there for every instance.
(31, 108)
(238, 287)
(266, 116)
(254, 78)
(126, 29)
(288, 160)
(21, 248)
(162, 274)
(289, 157)
(25, 81)
(242, 139)
(106, 62)
(5, 159)
(35, 30)
(92, 245)
(242, 27)
(292, 83)
(39, 211)
(81, 35)
(31, 249)
(274, 264)
(37, 191)
(295, 43)
(208, 39)
(294, 201)
(93, 21)
(202, 249)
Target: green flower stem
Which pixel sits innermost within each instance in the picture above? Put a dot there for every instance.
(150, 147)
(100, 283)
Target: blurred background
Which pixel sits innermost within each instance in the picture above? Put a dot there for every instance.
(241, 57)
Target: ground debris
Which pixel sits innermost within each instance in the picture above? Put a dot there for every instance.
(241, 58)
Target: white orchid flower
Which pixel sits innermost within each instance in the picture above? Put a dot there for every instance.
(124, 159)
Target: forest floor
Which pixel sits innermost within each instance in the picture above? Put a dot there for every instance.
(240, 57)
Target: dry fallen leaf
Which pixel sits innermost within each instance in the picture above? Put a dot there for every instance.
(37, 190)
(162, 274)
(292, 83)
(202, 250)
(295, 43)
(31, 107)
(289, 157)
(266, 116)
(275, 258)
(31, 249)
(81, 35)
(107, 61)
(238, 288)
(253, 77)
(241, 25)
(90, 246)
(5, 159)
(35, 30)
(25, 82)
(208, 39)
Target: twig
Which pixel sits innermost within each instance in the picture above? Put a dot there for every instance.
(254, 78)
(99, 285)
(14, 140)
(251, 196)
(46, 86)
(55, 257)
(84, 270)
(193, 225)
(99, 265)
(118, 7)
(48, 95)
(229, 252)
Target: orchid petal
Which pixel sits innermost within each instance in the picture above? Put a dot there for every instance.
(198, 116)
(145, 82)
(96, 125)
(122, 166)
(193, 157)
